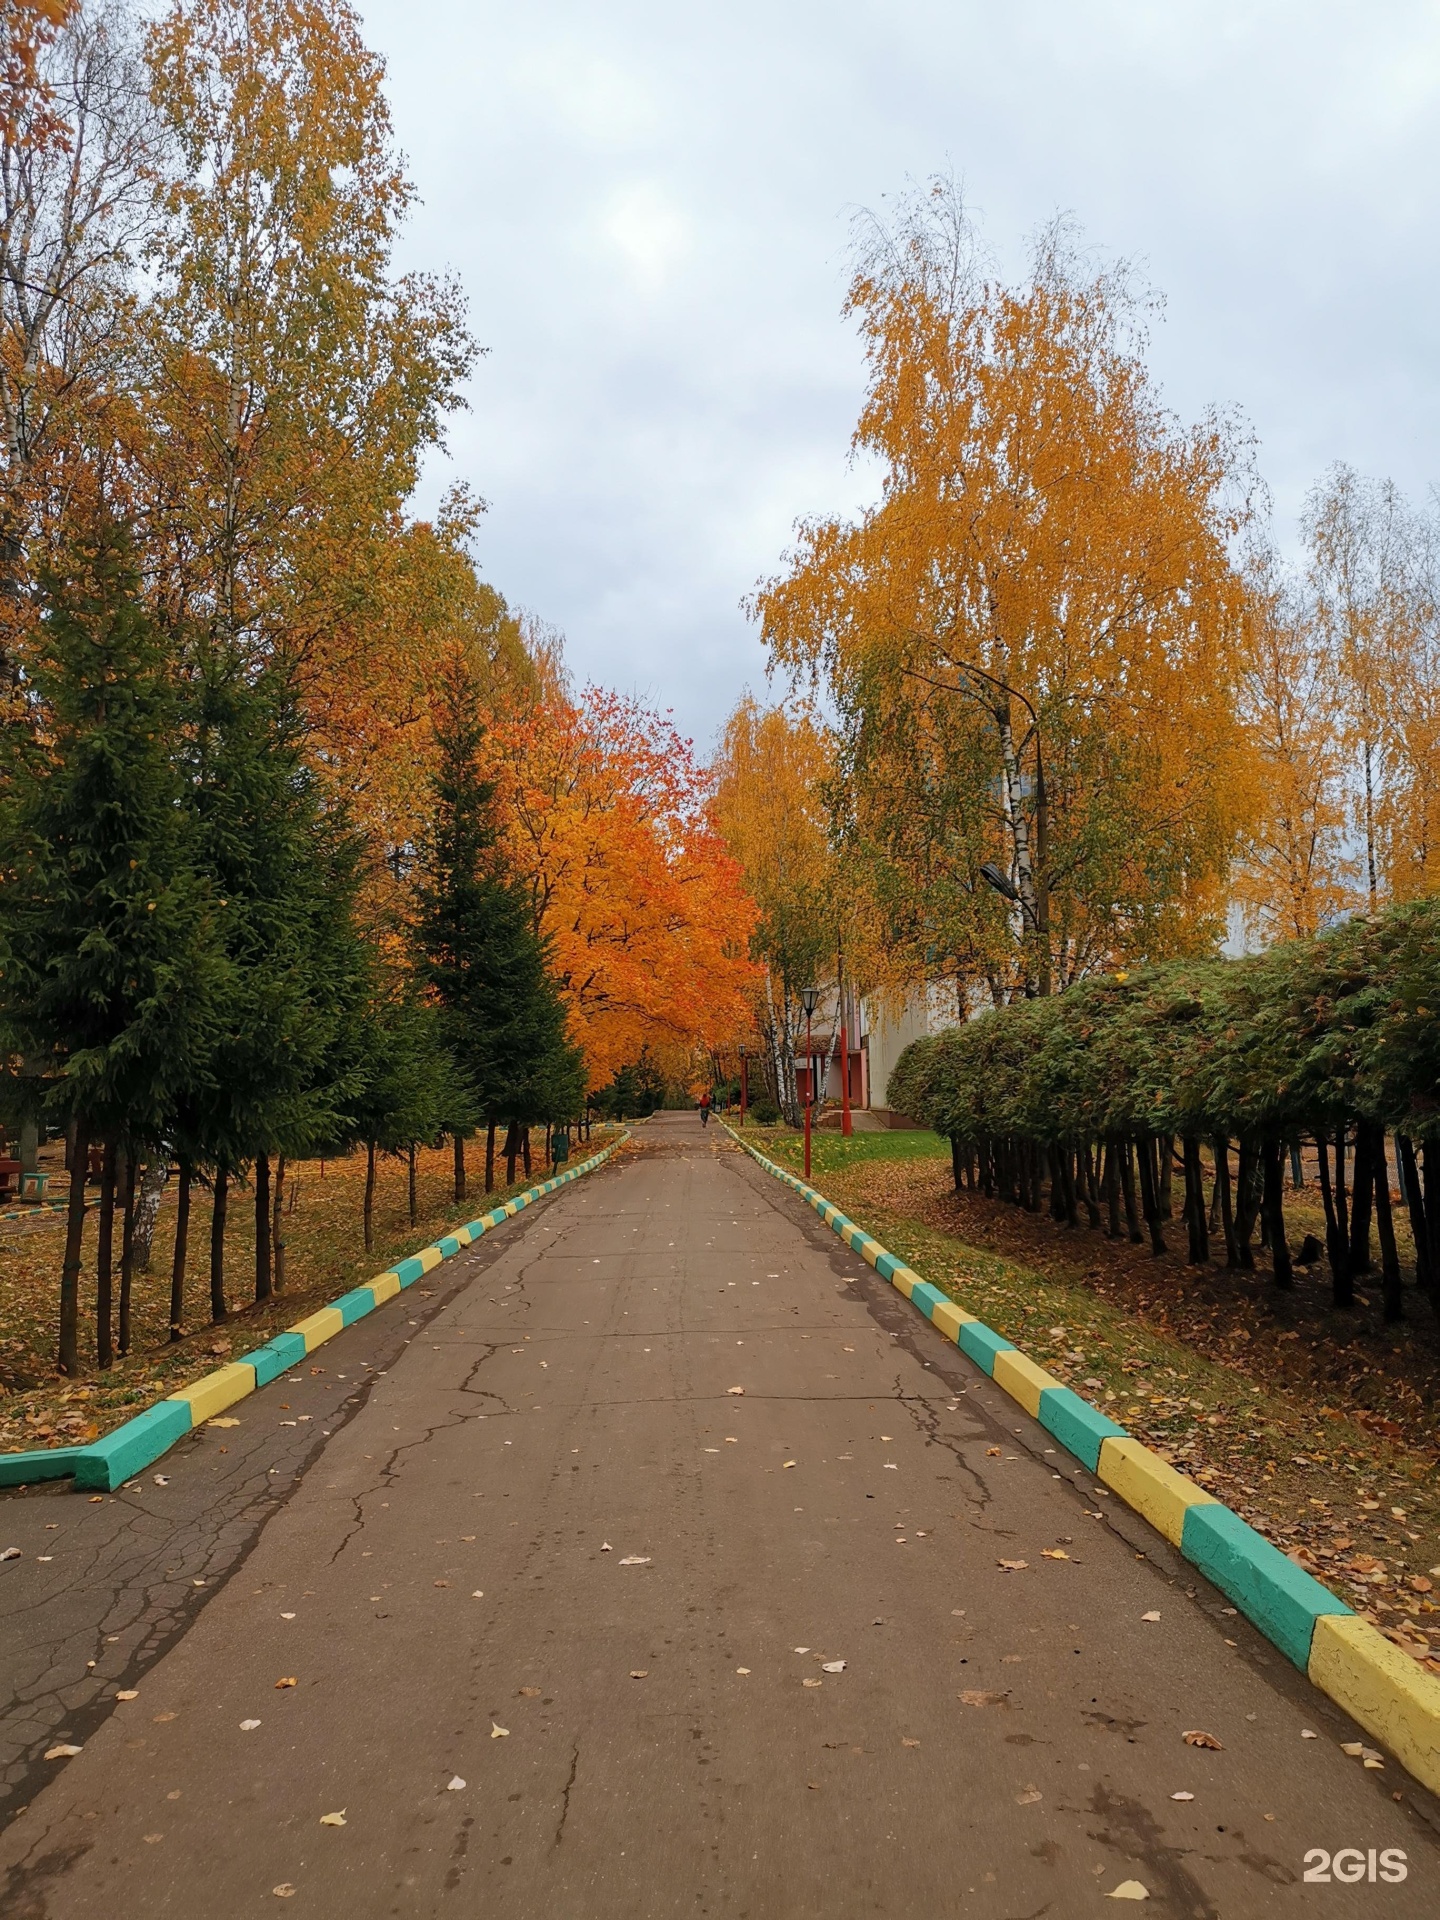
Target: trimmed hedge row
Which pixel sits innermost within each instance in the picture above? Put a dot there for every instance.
(1219, 1069)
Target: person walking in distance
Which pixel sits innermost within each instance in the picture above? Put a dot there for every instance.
(705, 1108)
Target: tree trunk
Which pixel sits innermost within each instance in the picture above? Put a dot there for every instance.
(525, 1149)
(1415, 1205)
(127, 1251)
(1390, 1283)
(1150, 1192)
(1197, 1226)
(1337, 1244)
(69, 1330)
(1090, 1185)
(1166, 1151)
(457, 1140)
(512, 1149)
(490, 1157)
(277, 1225)
(152, 1185)
(104, 1263)
(1432, 1218)
(219, 1207)
(1246, 1193)
(1220, 1146)
(955, 1160)
(1273, 1175)
(182, 1247)
(410, 1189)
(369, 1195)
(1127, 1187)
(262, 1227)
(1110, 1182)
(1362, 1200)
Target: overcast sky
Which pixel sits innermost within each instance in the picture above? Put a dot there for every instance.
(648, 204)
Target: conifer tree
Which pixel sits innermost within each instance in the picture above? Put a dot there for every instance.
(110, 964)
(478, 948)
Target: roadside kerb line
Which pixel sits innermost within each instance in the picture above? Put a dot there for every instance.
(1376, 1683)
(116, 1457)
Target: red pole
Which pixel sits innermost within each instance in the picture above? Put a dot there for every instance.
(809, 1091)
(744, 1085)
(845, 1126)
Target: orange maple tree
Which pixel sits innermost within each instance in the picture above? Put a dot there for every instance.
(648, 921)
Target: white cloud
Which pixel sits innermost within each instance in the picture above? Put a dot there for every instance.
(648, 205)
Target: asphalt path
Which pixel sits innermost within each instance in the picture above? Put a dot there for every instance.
(560, 1614)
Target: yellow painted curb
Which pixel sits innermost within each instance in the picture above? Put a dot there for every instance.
(319, 1327)
(384, 1286)
(463, 1235)
(949, 1319)
(429, 1257)
(904, 1281)
(1382, 1688)
(214, 1392)
(1143, 1481)
(1022, 1379)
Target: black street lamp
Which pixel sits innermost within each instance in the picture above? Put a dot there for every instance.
(808, 997)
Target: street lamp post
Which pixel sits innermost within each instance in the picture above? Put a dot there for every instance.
(808, 997)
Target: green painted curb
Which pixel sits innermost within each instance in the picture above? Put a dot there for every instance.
(136, 1444)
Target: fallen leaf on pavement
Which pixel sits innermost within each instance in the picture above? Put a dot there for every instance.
(222, 1421)
(62, 1752)
(833, 1666)
(890, 1467)
(735, 1389)
(992, 1453)
(636, 1560)
(1028, 1797)
(454, 1784)
(499, 1733)
(812, 1683)
(1308, 1733)
(128, 1693)
(162, 1479)
(639, 1673)
(791, 1463)
(290, 1681)
(1182, 1796)
(1013, 1566)
(248, 1726)
(1128, 1890)
(981, 1697)
(1196, 1738)
(287, 1616)
(742, 1669)
(907, 1742)
(1053, 1553)
(478, 1594)
(605, 1547)
(442, 1583)
(283, 1891)
(802, 1649)
(1150, 1616)
(160, 1718)
(529, 1693)
(333, 1819)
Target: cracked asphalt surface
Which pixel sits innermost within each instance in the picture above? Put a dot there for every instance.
(562, 1613)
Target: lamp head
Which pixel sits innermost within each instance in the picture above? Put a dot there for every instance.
(1000, 881)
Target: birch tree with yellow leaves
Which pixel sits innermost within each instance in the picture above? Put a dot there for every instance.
(1032, 636)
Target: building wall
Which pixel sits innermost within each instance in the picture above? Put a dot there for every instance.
(890, 1033)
